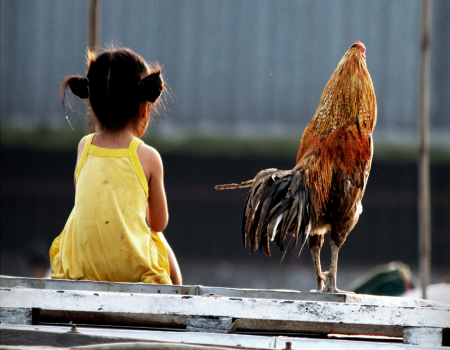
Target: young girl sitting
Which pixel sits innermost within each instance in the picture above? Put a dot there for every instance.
(118, 179)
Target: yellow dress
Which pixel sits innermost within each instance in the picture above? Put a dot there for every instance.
(106, 237)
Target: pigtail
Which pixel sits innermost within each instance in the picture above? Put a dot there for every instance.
(151, 87)
(78, 85)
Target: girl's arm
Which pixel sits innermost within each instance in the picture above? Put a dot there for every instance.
(157, 215)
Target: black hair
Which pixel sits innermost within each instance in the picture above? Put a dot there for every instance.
(117, 82)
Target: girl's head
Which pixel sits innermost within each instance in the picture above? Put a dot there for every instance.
(120, 85)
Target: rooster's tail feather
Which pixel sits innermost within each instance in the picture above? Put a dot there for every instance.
(244, 184)
(248, 183)
(276, 206)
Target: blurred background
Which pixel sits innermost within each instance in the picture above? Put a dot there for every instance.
(245, 79)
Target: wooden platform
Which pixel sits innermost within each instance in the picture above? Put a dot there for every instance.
(218, 312)
(62, 337)
(37, 283)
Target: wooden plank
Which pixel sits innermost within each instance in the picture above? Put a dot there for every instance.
(163, 345)
(32, 338)
(23, 347)
(57, 336)
(241, 324)
(326, 297)
(166, 345)
(426, 336)
(398, 301)
(36, 283)
(16, 315)
(247, 325)
(345, 318)
(270, 294)
(113, 318)
(211, 324)
(61, 337)
(44, 283)
(35, 337)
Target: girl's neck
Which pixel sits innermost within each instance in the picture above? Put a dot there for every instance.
(114, 139)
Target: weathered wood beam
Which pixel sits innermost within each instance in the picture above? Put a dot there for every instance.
(426, 336)
(166, 345)
(33, 337)
(36, 283)
(15, 315)
(211, 324)
(19, 315)
(317, 317)
(59, 336)
(43, 283)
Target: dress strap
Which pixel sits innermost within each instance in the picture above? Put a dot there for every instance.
(87, 144)
(134, 144)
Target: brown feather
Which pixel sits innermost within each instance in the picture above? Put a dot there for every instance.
(332, 165)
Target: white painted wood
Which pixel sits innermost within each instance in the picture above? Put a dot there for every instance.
(14, 347)
(210, 324)
(36, 283)
(164, 345)
(398, 301)
(15, 316)
(43, 283)
(242, 308)
(424, 336)
(32, 339)
(260, 342)
(270, 294)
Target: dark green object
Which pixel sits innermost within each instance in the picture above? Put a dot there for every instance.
(392, 279)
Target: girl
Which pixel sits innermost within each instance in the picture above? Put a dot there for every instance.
(118, 179)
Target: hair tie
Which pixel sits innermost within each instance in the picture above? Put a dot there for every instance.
(87, 79)
(139, 82)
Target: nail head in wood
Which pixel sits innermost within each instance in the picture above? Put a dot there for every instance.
(73, 329)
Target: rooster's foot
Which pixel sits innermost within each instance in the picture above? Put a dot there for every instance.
(332, 289)
(320, 286)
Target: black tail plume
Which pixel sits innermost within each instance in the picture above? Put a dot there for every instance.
(277, 206)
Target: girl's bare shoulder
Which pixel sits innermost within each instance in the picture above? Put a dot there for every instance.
(81, 144)
(81, 147)
(148, 153)
(150, 160)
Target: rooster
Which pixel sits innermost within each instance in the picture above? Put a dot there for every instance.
(323, 192)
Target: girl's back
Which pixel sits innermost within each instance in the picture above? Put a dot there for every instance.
(106, 237)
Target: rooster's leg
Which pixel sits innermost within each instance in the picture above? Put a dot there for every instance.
(331, 285)
(315, 245)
